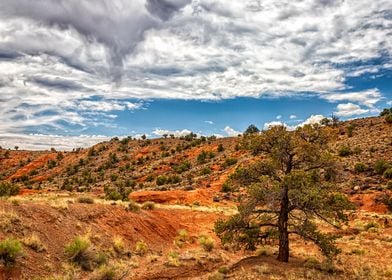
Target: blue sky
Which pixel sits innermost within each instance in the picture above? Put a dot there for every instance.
(73, 74)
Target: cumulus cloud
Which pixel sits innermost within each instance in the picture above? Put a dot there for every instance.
(313, 119)
(349, 109)
(176, 133)
(292, 117)
(231, 132)
(61, 59)
(45, 142)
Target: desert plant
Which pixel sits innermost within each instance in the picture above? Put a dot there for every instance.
(290, 178)
(251, 129)
(388, 118)
(381, 166)
(85, 200)
(10, 250)
(118, 245)
(220, 148)
(344, 151)
(78, 252)
(229, 161)
(148, 205)
(388, 173)
(133, 206)
(141, 248)
(8, 189)
(360, 167)
(173, 259)
(34, 242)
(206, 242)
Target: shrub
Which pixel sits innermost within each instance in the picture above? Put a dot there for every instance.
(344, 151)
(350, 130)
(206, 242)
(118, 245)
(161, 180)
(148, 205)
(10, 250)
(360, 167)
(133, 206)
(206, 170)
(226, 187)
(7, 189)
(389, 185)
(220, 148)
(388, 118)
(229, 161)
(78, 252)
(85, 200)
(173, 259)
(388, 173)
(34, 242)
(182, 167)
(381, 166)
(141, 248)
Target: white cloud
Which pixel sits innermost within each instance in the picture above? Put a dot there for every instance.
(278, 117)
(177, 133)
(292, 117)
(70, 58)
(367, 98)
(231, 132)
(389, 102)
(313, 119)
(45, 142)
(349, 109)
(274, 123)
(209, 122)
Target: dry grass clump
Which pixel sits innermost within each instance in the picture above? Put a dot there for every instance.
(141, 248)
(133, 206)
(173, 259)
(34, 242)
(85, 200)
(9, 221)
(148, 205)
(206, 242)
(118, 245)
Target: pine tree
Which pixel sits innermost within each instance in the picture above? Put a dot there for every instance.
(289, 188)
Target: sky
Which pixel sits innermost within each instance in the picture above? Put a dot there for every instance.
(77, 72)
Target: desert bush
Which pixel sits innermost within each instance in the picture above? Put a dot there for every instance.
(220, 148)
(148, 205)
(226, 187)
(370, 225)
(10, 250)
(34, 242)
(78, 252)
(389, 185)
(120, 192)
(173, 259)
(229, 162)
(118, 245)
(9, 221)
(206, 242)
(133, 206)
(85, 200)
(141, 248)
(388, 118)
(8, 189)
(206, 170)
(381, 166)
(181, 238)
(360, 167)
(344, 151)
(110, 272)
(182, 167)
(161, 180)
(388, 173)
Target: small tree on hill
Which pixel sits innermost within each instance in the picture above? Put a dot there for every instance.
(251, 129)
(287, 190)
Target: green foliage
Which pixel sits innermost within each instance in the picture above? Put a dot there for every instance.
(141, 248)
(388, 118)
(133, 206)
(206, 242)
(251, 129)
(229, 162)
(381, 166)
(119, 192)
(204, 156)
(8, 189)
(85, 200)
(388, 173)
(148, 205)
(287, 191)
(360, 167)
(350, 130)
(182, 167)
(220, 148)
(79, 251)
(386, 112)
(171, 179)
(10, 250)
(226, 187)
(206, 170)
(344, 151)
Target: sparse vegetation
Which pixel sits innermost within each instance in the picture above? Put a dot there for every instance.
(148, 205)
(85, 200)
(10, 250)
(206, 242)
(8, 189)
(141, 248)
(34, 242)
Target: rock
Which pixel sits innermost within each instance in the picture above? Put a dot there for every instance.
(216, 199)
(357, 188)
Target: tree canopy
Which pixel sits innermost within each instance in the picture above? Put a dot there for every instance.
(288, 188)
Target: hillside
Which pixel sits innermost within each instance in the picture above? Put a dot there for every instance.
(65, 194)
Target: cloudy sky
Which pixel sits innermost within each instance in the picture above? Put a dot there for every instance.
(74, 72)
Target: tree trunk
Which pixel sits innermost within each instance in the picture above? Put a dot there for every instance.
(283, 255)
